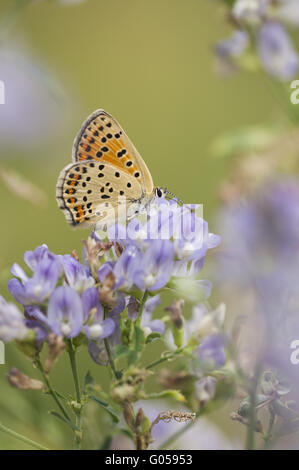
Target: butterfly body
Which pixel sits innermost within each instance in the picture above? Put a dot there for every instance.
(108, 179)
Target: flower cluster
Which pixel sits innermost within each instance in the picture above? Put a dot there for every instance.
(259, 258)
(124, 273)
(261, 26)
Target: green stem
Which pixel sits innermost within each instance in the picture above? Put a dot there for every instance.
(51, 390)
(164, 358)
(175, 436)
(110, 357)
(78, 411)
(270, 428)
(141, 307)
(109, 352)
(18, 436)
(250, 438)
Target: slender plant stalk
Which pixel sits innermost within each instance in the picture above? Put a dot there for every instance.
(141, 307)
(270, 428)
(78, 412)
(250, 437)
(109, 352)
(164, 359)
(22, 438)
(110, 357)
(251, 429)
(51, 390)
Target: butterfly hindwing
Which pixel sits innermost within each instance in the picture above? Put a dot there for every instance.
(102, 139)
(92, 191)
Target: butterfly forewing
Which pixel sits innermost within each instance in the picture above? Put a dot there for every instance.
(107, 173)
(101, 138)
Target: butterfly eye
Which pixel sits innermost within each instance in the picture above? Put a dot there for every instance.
(159, 192)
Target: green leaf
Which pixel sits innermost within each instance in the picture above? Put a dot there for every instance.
(133, 357)
(138, 338)
(120, 351)
(152, 336)
(65, 420)
(138, 341)
(59, 395)
(106, 407)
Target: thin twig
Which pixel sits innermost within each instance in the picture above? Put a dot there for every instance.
(165, 358)
(78, 411)
(22, 438)
(141, 307)
(109, 352)
(51, 390)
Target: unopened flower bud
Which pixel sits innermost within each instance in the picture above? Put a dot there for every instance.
(128, 414)
(19, 380)
(139, 417)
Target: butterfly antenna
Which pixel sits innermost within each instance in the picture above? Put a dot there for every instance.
(173, 195)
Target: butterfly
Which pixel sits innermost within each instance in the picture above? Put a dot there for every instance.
(108, 179)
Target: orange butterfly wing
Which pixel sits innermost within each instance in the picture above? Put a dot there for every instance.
(101, 138)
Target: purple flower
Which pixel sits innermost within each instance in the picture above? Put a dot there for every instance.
(258, 265)
(156, 266)
(168, 241)
(233, 47)
(276, 51)
(29, 88)
(12, 322)
(96, 346)
(205, 322)
(148, 324)
(33, 258)
(126, 267)
(96, 326)
(38, 288)
(211, 351)
(98, 353)
(65, 312)
(77, 275)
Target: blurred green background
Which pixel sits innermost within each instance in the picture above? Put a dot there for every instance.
(151, 65)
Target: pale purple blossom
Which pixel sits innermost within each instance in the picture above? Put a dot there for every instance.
(170, 241)
(234, 46)
(32, 258)
(149, 324)
(258, 263)
(277, 52)
(269, 37)
(30, 89)
(65, 312)
(38, 288)
(76, 274)
(12, 322)
(211, 351)
(96, 327)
